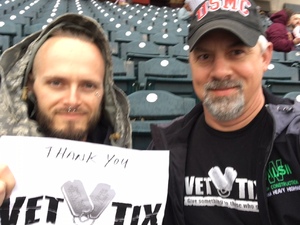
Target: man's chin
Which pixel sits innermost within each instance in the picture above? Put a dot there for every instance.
(70, 131)
(76, 135)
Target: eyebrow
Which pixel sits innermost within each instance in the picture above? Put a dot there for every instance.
(55, 76)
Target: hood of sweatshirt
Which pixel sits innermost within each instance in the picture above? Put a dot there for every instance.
(280, 17)
(16, 63)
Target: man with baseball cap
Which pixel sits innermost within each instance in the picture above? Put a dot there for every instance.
(234, 159)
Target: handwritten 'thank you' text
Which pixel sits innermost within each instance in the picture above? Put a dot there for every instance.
(65, 154)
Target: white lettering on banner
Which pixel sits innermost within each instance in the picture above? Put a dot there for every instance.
(293, 188)
(240, 6)
(203, 186)
(241, 205)
(284, 189)
(198, 183)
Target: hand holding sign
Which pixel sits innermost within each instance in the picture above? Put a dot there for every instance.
(7, 182)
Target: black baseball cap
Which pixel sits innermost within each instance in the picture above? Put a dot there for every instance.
(241, 17)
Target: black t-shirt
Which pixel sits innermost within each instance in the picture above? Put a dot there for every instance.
(220, 185)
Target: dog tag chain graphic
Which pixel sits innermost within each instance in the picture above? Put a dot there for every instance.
(223, 182)
(86, 209)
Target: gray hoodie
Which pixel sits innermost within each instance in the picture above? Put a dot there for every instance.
(16, 63)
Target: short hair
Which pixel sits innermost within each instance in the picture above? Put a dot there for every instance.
(81, 33)
(263, 42)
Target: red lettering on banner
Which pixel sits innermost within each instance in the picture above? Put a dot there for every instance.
(231, 5)
(202, 11)
(214, 5)
(244, 5)
(240, 6)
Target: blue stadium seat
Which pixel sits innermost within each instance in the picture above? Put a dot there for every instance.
(123, 75)
(279, 71)
(180, 52)
(282, 87)
(8, 28)
(162, 68)
(164, 40)
(154, 107)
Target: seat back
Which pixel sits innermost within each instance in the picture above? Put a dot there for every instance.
(282, 87)
(165, 40)
(113, 27)
(123, 75)
(293, 56)
(147, 30)
(180, 52)
(163, 68)
(154, 107)
(140, 49)
(136, 51)
(292, 95)
(179, 86)
(277, 70)
(127, 36)
(158, 105)
(278, 56)
(8, 28)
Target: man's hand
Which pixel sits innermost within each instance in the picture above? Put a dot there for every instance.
(7, 182)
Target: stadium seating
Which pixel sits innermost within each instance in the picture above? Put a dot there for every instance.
(180, 52)
(278, 56)
(123, 75)
(147, 30)
(114, 26)
(292, 95)
(162, 68)
(154, 107)
(165, 40)
(181, 33)
(279, 71)
(8, 28)
(282, 87)
(293, 58)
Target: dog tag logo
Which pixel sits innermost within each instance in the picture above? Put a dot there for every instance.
(86, 208)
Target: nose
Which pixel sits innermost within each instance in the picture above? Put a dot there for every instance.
(73, 97)
(221, 68)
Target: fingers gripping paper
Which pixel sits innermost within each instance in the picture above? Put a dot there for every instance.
(69, 182)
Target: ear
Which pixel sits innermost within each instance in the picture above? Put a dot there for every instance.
(267, 56)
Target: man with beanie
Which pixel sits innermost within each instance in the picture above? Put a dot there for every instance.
(58, 82)
(235, 158)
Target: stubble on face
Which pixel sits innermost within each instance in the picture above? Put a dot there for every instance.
(70, 130)
(224, 108)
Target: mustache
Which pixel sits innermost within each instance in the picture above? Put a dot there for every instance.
(67, 110)
(222, 84)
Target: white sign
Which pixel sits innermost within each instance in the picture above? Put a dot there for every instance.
(68, 182)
